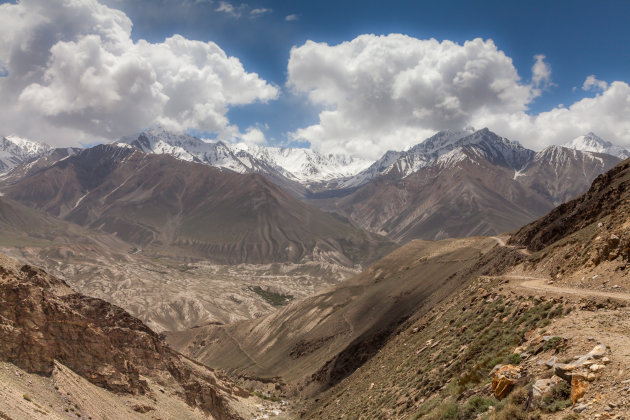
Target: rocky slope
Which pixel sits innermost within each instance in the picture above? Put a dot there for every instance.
(555, 317)
(316, 342)
(45, 327)
(607, 195)
(166, 206)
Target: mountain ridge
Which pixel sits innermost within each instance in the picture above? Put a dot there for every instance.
(163, 204)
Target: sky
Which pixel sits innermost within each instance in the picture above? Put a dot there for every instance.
(355, 77)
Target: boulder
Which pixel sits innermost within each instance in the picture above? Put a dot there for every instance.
(564, 370)
(596, 368)
(504, 380)
(579, 408)
(598, 351)
(551, 362)
(542, 387)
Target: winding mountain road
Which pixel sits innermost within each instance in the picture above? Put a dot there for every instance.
(541, 284)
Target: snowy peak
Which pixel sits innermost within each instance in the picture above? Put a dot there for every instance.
(447, 148)
(561, 156)
(301, 165)
(442, 140)
(305, 165)
(498, 150)
(186, 147)
(16, 150)
(592, 143)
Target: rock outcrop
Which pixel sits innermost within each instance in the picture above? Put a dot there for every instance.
(42, 320)
(504, 380)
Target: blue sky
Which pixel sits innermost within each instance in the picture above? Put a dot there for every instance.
(577, 38)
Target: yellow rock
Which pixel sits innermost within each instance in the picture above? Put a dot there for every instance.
(578, 388)
(504, 380)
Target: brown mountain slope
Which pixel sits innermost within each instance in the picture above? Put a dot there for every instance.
(451, 199)
(316, 342)
(560, 174)
(170, 207)
(46, 326)
(467, 192)
(608, 193)
(164, 293)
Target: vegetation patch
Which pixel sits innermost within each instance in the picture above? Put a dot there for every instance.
(554, 343)
(559, 398)
(273, 298)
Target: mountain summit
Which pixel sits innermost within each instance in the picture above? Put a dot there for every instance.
(591, 142)
(15, 150)
(297, 165)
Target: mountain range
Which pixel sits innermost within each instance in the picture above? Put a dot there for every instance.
(168, 206)
(463, 183)
(453, 184)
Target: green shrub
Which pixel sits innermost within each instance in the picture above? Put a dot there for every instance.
(554, 343)
(514, 359)
(273, 298)
(511, 411)
(477, 405)
(448, 410)
(558, 399)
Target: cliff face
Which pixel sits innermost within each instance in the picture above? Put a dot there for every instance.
(42, 320)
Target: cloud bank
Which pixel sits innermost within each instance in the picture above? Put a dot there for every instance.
(72, 73)
(390, 92)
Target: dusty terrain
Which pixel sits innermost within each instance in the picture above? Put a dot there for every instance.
(316, 342)
(166, 293)
(172, 295)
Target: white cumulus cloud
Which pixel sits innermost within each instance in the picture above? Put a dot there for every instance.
(390, 92)
(605, 114)
(74, 74)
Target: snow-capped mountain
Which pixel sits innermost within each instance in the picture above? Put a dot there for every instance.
(445, 148)
(593, 143)
(182, 146)
(16, 150)
(563, 173)
(304, 166)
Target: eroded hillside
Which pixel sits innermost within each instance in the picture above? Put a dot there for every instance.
(81, 348)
